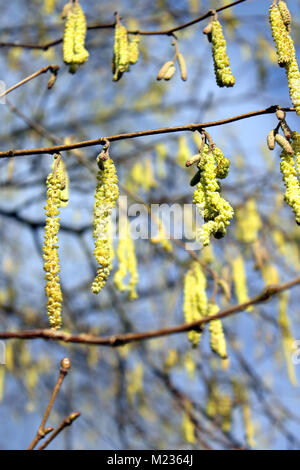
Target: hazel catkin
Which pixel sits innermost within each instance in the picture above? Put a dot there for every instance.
(106, 195)
(224, 76)
(74, 51)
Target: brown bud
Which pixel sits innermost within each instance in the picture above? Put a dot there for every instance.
(271, 139)
(182, 67)
(170, 72)
(207, 31)
(195, 158)
(65, 363)
(52, 80)
(285, 129)
(164, 69)
(286, 146)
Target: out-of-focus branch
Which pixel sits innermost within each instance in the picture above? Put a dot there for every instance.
(131, 135)
(121, 339)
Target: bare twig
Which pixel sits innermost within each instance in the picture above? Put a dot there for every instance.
(121, 339)
(52, 68)
(167, 32)
(132, 135)
(65, 366)
(65, 423)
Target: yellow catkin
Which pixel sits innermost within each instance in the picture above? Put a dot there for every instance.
(74, 51)
(249, 426)
(183, 153)
(296, 148)
(49, 6)
(124, 52)
(134, 49)
(106, 195)
(135, 381)
(215, 210)
(225, 411)
(127, 264)
(249, 222)
(291, 182)
(224, 76)
(189, 364)
(285, 14)
(63, 177)
(280, 35)
(217, 338)
(182, 66)
(240, 282)
(270, 274)
(188, 426)
(50, 250)
(287, 337)
(195, 299)
(162, 239)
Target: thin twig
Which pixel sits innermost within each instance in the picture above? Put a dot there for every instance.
(167, 32)
(131, 135)
(65, 366)
(52, 68)
(121, 339)
(65, 423)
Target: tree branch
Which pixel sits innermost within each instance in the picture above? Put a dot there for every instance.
(121, 339)
(131, 135)
(52, 68)
(167, 32)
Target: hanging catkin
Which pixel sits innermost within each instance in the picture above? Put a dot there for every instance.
(74, 51)
(292, 186)
(224, 76)
(106, 195)
(195, 299)
(279, 17)
(216, 212)
(50, 250)
(217, 338)
(127, 264)
(280, 35)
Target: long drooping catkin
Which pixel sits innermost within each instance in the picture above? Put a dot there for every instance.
(224, 76)
(127, 264)
(74, 51)
(107, 193)
(50, 250)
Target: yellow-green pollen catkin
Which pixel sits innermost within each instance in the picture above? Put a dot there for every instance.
(216, 212)
(296, 148)
(280, 35)
(224, 76)
(63, 177)
(74, 51)
(50, 252)
(195, 299)
(287, 337)
(291, 182)
(161, 238)
(217, 338)
(107, 193)
(125, 52)
(127, 264)
(134, 49)
(240, 281)
(285, 14)
(249, 222)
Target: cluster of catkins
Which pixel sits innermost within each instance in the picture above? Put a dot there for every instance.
(74, 51)
(289, 161)
(126, 51)
(280, 20)
(215, 210)
(214, 32)
(57, 196)
(197, 307)
(168, 69)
